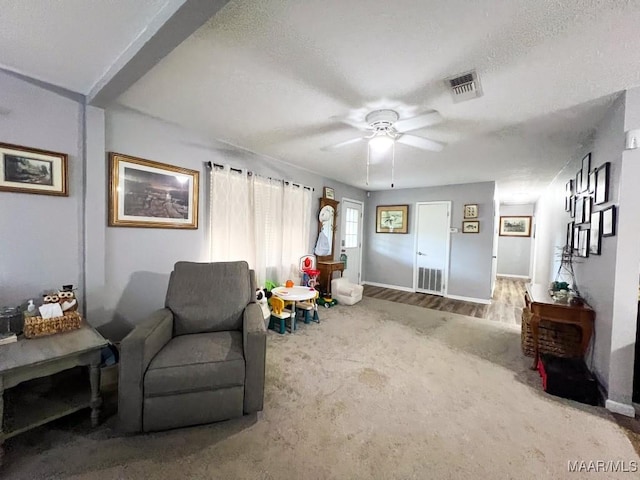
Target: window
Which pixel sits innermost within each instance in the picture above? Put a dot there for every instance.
(351, 228)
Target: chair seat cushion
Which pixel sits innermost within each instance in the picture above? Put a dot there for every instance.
(196, 362)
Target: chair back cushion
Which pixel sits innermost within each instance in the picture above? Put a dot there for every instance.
(208, 297)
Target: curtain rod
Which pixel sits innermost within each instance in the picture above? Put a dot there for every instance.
(250, 173)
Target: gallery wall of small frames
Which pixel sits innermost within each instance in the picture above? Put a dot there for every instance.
(584, 198)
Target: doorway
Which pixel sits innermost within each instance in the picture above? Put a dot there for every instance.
(431, 265)
(351, 243)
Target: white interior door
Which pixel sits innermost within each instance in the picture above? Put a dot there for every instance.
(432, 247)
(351, 244)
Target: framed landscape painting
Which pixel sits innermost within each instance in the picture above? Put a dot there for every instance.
(150, 194)
(515, 226)
(392, 218)
(31, 170)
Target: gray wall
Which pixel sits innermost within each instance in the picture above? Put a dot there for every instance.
(138, 260)
(40, 235)
(389, 258)
(514, 253)
(594, 275)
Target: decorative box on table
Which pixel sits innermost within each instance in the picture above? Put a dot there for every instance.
(36, 326)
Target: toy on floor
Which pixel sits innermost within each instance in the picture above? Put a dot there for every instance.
(262, 297)
(327, 301)
(308, 270)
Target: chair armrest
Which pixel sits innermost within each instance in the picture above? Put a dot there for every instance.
(136, 352)
(254, 342)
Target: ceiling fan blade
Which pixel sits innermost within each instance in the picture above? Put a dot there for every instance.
(352, 123)
(343, 144)
(421, 142)
(420, 121)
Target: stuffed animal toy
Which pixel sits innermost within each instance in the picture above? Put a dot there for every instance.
(50, 298)
(263, 296)
(68, 300)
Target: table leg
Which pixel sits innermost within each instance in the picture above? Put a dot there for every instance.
(1, 419)
(293, 316)
(587, 331)
(96, 399)
(535, 330)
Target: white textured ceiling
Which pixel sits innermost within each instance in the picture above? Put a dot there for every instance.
(269, 75)
(69, 43)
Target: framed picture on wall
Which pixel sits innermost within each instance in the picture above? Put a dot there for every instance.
(328, 192)
(583, 243)
(595, 237)
(609, 221)
(31, 170)
(576, 238)
(569, 241)
(471, 226)
(392, 218)
(585, 171)
(602, 184)
(471, 210)
(515, 226)
(579, 216)
(568, 195)
(578, 183)
(150, 194)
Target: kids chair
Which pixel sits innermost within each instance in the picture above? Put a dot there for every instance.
(279, 316)
(346, 293)
(306, 307)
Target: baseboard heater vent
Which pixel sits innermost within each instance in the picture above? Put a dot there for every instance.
(430, 279)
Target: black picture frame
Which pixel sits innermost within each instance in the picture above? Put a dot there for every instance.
(579, 217)
(570, 227)
(568, 195)
(592, 182)
(609, 221)
(578, 183)
(576, 237)
(602, 184)
(595, 238)
(572, 207)
(586, 208)
(583, 243)
(585, 171)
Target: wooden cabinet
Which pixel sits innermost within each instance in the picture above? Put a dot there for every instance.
(326, 273)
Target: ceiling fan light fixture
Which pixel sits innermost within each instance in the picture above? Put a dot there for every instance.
(381, 143)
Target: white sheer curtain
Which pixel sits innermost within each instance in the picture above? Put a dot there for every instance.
(296, 213)
(260, 220)
(267, 220)
(230, 220)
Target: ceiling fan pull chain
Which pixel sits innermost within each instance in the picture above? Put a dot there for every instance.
(393, 161)
(368, 157)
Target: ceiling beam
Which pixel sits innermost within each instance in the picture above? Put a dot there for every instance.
(173, 24)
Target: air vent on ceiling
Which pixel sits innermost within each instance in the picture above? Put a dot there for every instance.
(464, 86)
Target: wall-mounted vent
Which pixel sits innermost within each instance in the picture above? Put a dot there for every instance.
(464, 86)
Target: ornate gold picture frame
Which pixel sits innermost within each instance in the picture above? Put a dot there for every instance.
(148, 194)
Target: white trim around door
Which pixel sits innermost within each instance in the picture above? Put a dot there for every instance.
(360, 233)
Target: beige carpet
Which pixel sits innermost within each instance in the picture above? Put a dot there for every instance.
(379, 390)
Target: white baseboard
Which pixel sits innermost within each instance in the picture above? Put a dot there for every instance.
(621, 408)
(394, 287)
(469, 299)
(507, 275)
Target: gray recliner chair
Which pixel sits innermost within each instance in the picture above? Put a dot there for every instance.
(200, 359)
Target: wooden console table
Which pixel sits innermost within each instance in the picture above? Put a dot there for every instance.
(326, 273)
(544, 307)
(28, 359)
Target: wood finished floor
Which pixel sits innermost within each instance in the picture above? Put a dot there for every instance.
(506, 305)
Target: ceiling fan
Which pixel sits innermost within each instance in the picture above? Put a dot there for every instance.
(385, 126)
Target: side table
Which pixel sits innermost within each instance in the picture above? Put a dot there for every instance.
(326, 273)
(28, 359)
